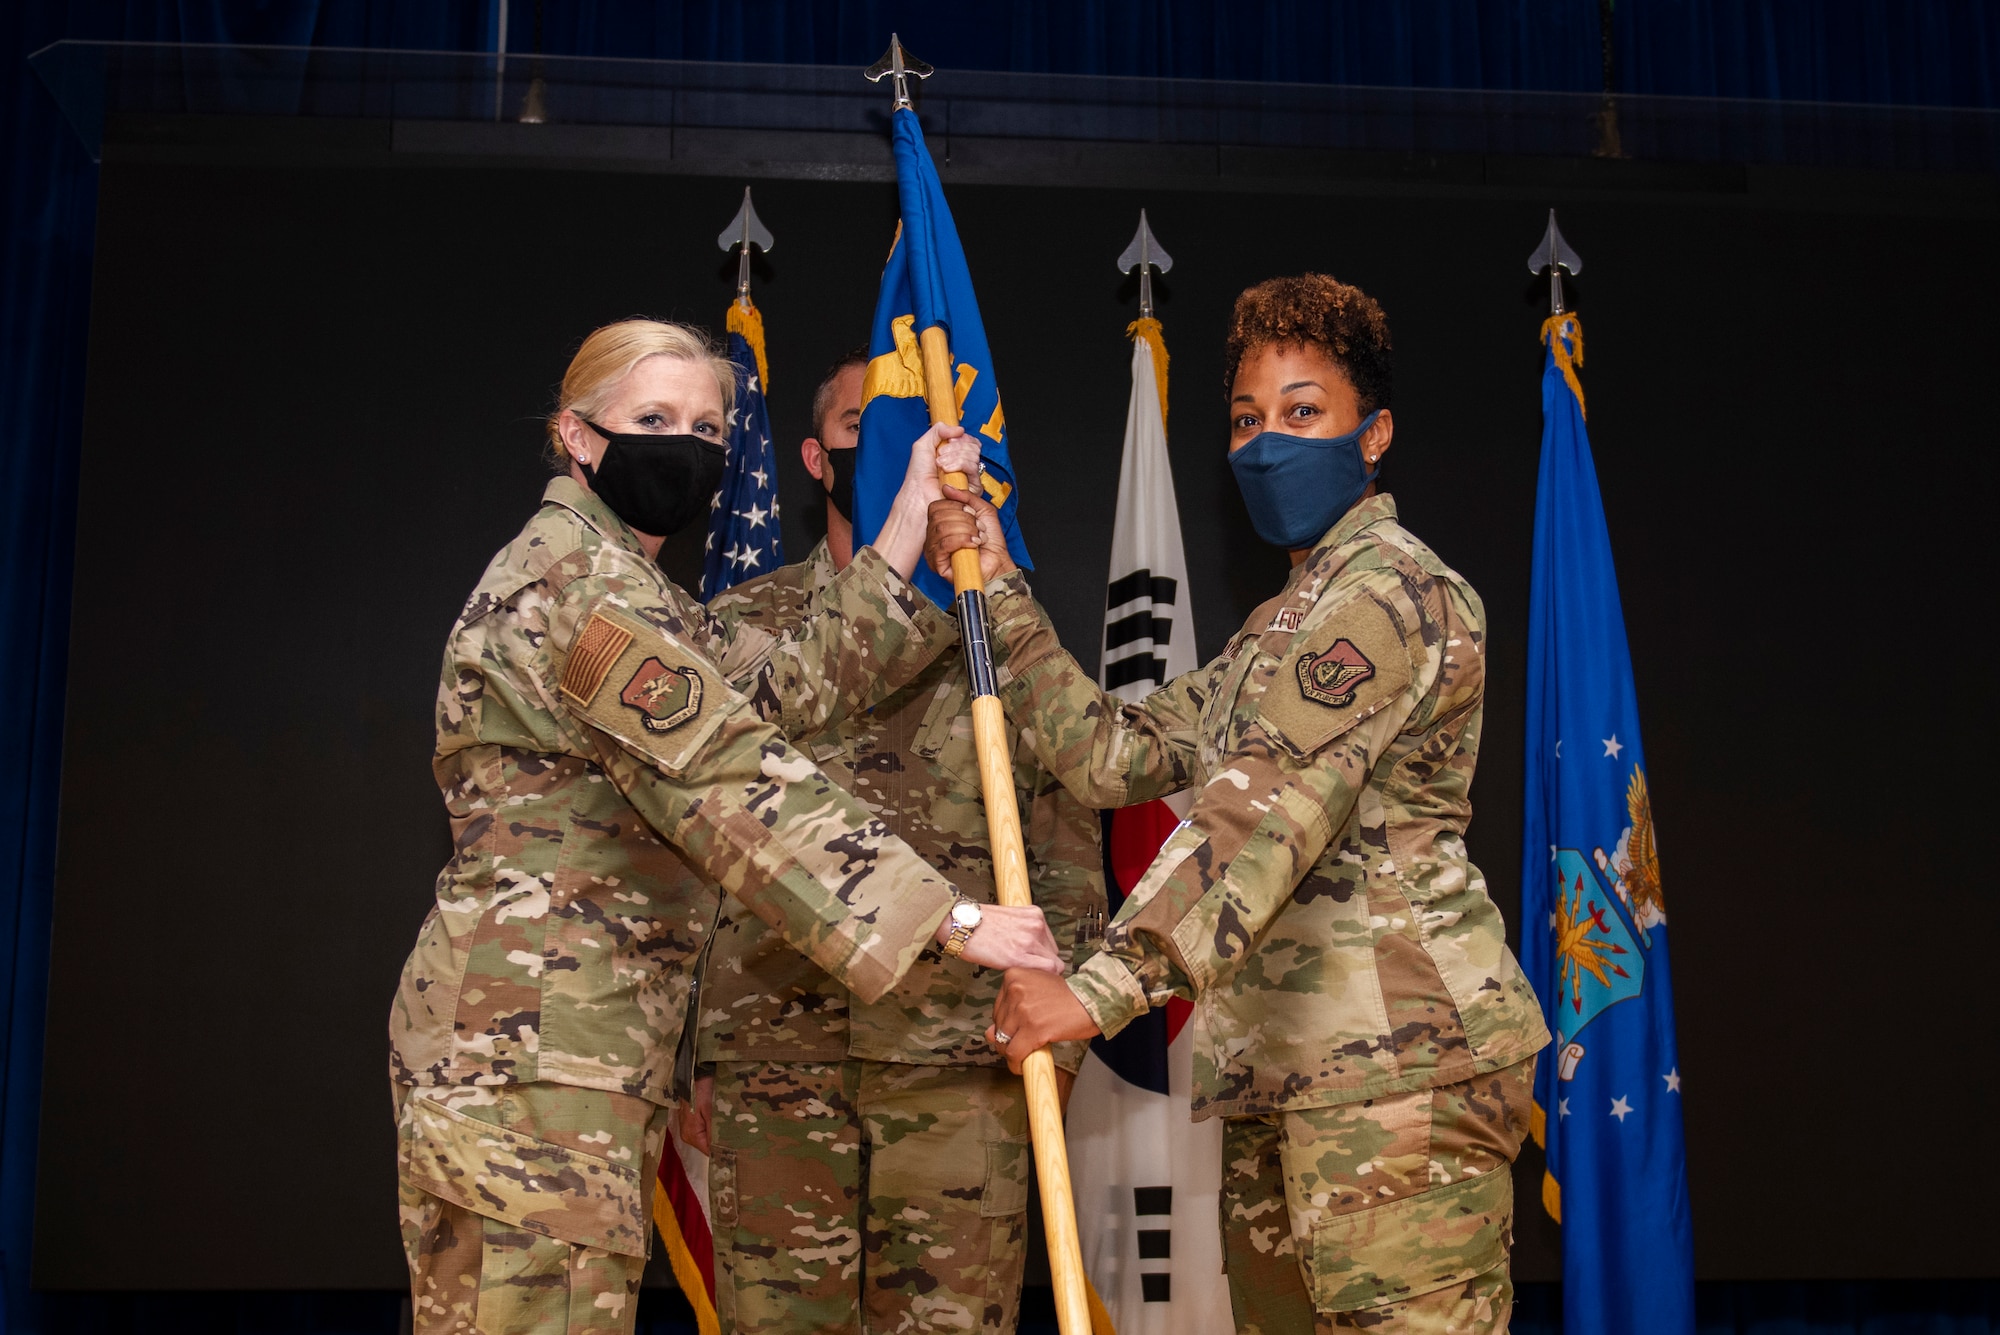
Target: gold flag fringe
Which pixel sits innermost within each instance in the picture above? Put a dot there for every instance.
(747, 320)
(686, 1274)
(1148, 328)
(1538, 1127)
(1564, 334)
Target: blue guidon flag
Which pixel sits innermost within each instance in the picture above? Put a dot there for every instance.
(926, 283)
(743, 536)
(1593, 920)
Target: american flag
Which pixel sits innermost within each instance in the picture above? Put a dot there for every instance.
(743, 537)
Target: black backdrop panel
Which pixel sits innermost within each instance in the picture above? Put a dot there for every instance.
(314, 412)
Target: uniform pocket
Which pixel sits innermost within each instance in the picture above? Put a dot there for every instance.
(542, 1187)
(1006, 1188)
(1413, 1246)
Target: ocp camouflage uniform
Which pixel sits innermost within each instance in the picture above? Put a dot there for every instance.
(1358, 1016)
(871, 1157)
(601, 739)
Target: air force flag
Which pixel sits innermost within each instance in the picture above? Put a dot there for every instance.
(1593, 920)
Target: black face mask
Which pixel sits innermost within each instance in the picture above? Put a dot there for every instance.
(657, 484)
(841, 493)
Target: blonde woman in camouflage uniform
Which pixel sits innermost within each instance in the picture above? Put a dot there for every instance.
(1361, 1026)
(869, 1158)
(598, 735)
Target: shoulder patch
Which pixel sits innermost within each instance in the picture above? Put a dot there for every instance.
(590, 660)
(1351, 664)
(665, 697)
(1334, 674)
(647, 689)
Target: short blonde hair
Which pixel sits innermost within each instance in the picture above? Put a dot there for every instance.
(609, 355)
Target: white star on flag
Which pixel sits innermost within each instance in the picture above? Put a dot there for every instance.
(1673, 1079)
(1620, 1109)
(1559, 748)
(743, 515)
(1612, 746)
(1562, 1109)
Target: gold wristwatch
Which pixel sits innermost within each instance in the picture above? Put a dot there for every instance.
(965, 918)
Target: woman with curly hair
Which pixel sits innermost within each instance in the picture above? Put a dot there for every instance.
(1360, 1024)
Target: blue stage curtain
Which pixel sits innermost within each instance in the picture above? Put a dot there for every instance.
(46, 225)
(1934, 52)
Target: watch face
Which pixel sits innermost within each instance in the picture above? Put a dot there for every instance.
(965, 915)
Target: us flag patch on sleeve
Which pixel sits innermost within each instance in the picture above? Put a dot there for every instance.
(590, 659)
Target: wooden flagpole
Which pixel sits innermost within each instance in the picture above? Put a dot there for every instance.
(1010, 871)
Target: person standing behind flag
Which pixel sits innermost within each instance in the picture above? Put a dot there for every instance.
(875, 1153)
(1361, 1026)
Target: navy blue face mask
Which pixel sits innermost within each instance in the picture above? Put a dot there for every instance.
(1298, 487)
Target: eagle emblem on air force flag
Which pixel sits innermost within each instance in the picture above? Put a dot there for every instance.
(1332, 675)
(666, 697)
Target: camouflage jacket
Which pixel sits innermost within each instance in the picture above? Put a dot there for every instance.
(910, 761)
(598, 735)
(1317, 905)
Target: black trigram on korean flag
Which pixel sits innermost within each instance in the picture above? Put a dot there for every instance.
(1139, 630)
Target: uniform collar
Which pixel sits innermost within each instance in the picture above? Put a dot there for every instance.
(819, 572)
(1360, 517)
(583, 502)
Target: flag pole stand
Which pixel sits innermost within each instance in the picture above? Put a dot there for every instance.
(1010, 872)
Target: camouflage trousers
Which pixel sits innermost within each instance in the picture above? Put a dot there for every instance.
(525, 1208)
(1394, 1214)
(868, 1196)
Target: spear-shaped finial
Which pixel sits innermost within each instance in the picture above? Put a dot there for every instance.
(1146, 254)
(900, 64)
(744, 231)
(1553, 253)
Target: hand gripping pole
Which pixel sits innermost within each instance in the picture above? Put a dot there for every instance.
(1010, 870)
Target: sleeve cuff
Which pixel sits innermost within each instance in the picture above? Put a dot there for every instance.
(931, 629)
(894, 941)
(1069, 1056)
(1109, 992)
(1021, 635)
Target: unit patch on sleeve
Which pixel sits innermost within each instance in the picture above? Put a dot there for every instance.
(590, 660)
(1350, 661)
(665, 697)
(1333, 675)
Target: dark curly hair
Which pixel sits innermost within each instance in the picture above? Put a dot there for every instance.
(1315, 308)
